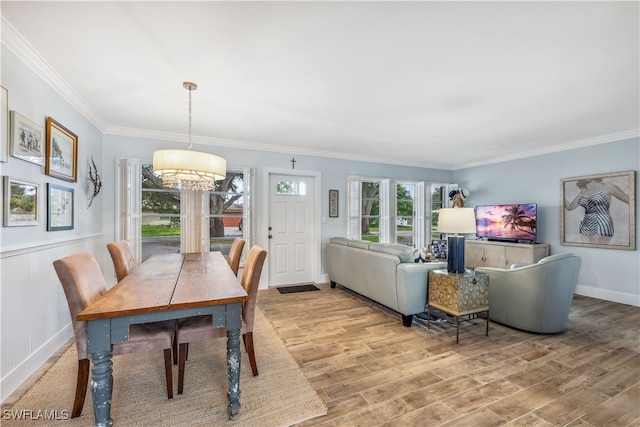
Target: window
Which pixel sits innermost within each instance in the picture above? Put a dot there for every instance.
(438, 200)
(405, 213)
(386, 211)
(160, 215)
(370, 218)
(155, 220)
(226, 211)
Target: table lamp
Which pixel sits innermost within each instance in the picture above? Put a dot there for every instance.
(454, 221)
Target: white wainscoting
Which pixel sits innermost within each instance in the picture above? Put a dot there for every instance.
(34, 316)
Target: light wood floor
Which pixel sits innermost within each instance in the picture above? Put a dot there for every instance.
(372, 371)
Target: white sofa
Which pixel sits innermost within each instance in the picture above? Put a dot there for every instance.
(384, 273)
(534, 297)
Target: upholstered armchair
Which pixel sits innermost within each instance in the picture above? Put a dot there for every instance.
(535, 297)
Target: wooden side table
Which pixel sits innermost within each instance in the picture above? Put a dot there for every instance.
(458, 294)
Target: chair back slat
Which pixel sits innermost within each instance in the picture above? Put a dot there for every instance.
(122, 257)
(83, 283)
(250, 282)
(235, 253)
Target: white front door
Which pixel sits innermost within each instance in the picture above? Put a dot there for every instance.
(291, 229)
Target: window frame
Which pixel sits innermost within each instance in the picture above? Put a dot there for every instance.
(194, 213)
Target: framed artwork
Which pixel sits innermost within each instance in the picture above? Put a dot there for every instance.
(26, 139)
(439, 248)
(59, 208)
(4, 124)
(20, 203)
(599, 211)
(333, 203)
(62, 152)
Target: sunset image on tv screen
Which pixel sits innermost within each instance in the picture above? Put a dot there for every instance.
(508, 222)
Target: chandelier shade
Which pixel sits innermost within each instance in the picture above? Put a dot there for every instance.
(188, 169)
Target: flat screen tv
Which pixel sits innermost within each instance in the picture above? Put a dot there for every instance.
(507, 222)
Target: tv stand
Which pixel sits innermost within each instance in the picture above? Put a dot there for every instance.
(481, 253)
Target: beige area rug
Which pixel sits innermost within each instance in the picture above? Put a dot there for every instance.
(279, 396)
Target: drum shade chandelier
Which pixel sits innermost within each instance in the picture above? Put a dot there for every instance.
(188, 169)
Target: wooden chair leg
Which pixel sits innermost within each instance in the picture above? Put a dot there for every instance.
(81, 387)
(168, 372)
(182, 358)
(248, 345)
(174, 348)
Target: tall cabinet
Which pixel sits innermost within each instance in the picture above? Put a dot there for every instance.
(481, 253)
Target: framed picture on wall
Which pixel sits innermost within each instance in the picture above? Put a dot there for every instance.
(599, 211)
(20, 202)
(439, 248)
(62, 152)
(59, 208)
(333, 203)
(26, 139)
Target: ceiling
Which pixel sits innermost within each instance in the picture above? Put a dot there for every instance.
(434, 84)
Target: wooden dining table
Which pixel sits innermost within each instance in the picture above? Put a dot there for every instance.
(164, 287)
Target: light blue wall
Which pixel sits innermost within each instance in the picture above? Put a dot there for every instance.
(31, 294)
(30, 96)
(333, 173)
(606, 273)
(34, 316)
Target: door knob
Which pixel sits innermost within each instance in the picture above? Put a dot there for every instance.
(270, 228)
(270, 236)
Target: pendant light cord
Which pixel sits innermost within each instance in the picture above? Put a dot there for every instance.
(190, 90)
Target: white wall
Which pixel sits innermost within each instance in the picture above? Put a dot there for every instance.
(608, 274)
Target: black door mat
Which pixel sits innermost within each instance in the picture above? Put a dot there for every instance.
(297, 288)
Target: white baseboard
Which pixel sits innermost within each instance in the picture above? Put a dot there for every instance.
(620, 297)
(22, 372)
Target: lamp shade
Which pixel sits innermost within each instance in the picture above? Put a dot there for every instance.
(457, 220)
(189, 169)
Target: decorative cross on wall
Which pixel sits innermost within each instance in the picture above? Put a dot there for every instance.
(293, 163)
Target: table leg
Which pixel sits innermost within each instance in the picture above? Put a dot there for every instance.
(233, 372)
(487, 333)
(457, 328)
(102, 387)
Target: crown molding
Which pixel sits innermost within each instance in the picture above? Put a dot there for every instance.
(603, 139)
(16, 43)
(247, 145)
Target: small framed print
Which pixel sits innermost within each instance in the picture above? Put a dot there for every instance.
(20, 203)
(26, 139)
(439, 248)
(333, 203)
(62, 152)
(4, 124)
(59, 208)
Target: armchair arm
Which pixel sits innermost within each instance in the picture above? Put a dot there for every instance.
(412, 285)
(518, 265)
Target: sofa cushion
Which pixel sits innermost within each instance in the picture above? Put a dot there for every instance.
(405, 253)
(339, 240)
(361, 244)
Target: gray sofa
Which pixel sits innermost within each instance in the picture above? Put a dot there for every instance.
(384, 273)
(534, 297)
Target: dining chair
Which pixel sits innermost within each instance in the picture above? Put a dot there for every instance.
(83, 283)
(200, 328)
(122, 257)
(235, 253)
